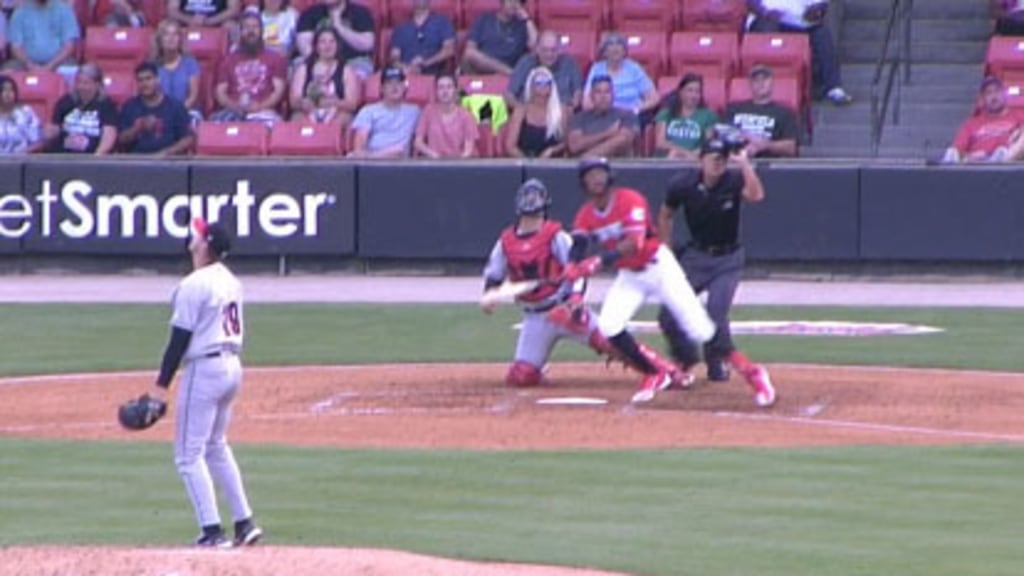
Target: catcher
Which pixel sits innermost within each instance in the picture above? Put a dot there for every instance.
(535, 248)
(206, 331)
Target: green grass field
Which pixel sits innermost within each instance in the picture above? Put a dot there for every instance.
(837, 511)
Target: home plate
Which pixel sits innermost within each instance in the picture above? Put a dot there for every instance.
(572, 401)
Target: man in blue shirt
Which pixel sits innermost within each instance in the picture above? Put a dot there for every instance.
(152, 122)
(497, 40)
(424, 44)
(563, 68)
(42, 35)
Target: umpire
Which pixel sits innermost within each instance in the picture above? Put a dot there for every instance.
(711, 197)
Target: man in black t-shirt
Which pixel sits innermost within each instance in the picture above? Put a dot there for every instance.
(353, 22)
(204, 12)
(713, 260)
(771, 129)
(152, 122)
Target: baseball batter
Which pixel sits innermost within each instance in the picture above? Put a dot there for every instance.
(618, 221)
(207, 330)
(713, 261)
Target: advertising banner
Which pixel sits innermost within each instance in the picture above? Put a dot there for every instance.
(15, 208)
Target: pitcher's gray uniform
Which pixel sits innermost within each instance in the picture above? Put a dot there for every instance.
(208, 318)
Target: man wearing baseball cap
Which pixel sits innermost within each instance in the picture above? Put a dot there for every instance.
(385, 129)
(771, 128)
(993, 133)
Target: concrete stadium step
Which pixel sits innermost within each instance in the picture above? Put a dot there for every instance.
(941, 9)
(917, 113)
(961, 30)
(920, 138)
(922, 74)
(914, 94)
(963, 52)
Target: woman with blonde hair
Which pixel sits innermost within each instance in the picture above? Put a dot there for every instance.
(537, 127)
(179, 71)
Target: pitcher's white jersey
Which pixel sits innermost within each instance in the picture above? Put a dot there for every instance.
(208, 303)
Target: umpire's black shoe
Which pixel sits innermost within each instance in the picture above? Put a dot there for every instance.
(718, 371)
(247, 533)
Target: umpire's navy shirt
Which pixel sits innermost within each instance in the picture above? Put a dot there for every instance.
(712, 214)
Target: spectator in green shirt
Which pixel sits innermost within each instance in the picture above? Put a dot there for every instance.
(683, 122)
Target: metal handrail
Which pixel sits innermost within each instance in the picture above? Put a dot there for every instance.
(901, 12)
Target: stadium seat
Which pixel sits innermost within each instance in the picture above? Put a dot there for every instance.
(401, 10)
(565, 15)
(471, 9)
(788, 55)
(231, 139)
(713, 15)
(117, 48)
(486, 142)
(785, 91)
(119, 85)
(1014, 90)
(305, 139)
(206, 45)
(383, 47)
(648, 48)
(714, 90)
(1005, 54)
(580, 45)
(491, 84)
(704, 53)
(659, 15)
(419, 91)
(40, 90)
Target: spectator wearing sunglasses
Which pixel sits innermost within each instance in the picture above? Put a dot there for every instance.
(424, 44)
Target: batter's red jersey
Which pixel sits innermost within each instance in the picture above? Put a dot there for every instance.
(627, 214)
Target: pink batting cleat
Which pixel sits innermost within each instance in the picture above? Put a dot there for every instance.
(651, 385)
(761, 382)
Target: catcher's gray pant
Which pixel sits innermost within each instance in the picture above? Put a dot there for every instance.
(538, 336)
(201, 452)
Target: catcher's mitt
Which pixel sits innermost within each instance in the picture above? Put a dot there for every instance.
(141, 413)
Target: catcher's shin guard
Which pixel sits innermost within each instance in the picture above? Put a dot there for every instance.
(523, 375)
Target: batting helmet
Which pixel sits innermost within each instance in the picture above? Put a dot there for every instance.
(532, 197)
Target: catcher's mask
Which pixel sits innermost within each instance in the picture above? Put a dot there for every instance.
(587, 165)
(532, 198)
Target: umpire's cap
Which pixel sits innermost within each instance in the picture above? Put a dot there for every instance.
(216, 236)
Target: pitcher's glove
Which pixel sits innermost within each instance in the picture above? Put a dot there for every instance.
(141, 413)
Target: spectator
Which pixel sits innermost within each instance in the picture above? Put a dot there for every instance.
(280, 21)
(385, 129)
(771, 128)
(566, 72)
(210, 13)
(807, 17)
(42, 34)
(497, 40)
(537, 128)
(120, 13)
(19, 125)
(152, 122)
(177, 69)
(324, 89)
(85, 120)
(251, 81)
(446, 129)
(603, 130)
(425, 44)
(994, 134)
(353, 22)
(684, 122)
(1009, 16)
(634, 90)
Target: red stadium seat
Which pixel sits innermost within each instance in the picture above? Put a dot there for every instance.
(649, 49)
(1005, 54)
(1014, 92)
(401, 10)
(486, 142)
(788, 55)
(491, 84)
(119, 85)
(117, 48)
(657, 15)
(419, 91)
(564, 15)
(471, 9)
(231, 139)
(383, 47)
(305, 139)
(206, 44)
(714, 90)
(40, 89)
(580, 45)
(705, 53)
(301, 5)
(785, 91)
(713, 15)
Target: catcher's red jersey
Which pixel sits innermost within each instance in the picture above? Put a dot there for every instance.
(627, 214)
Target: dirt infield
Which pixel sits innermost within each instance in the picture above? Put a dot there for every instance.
(467, 406)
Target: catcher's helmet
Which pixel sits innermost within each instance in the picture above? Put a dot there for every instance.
(532, 198)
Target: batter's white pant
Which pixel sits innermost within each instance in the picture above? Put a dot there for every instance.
(664, 279)
(201, 452)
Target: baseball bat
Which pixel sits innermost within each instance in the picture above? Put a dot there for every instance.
(507, 292)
